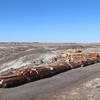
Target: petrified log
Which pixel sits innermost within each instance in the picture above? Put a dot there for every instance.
(93, 55)
(76, 64)
(21, 76)
(57, 68)
(84, 63)
(12, 81)
(43, 72)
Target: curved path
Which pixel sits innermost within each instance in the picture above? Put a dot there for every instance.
(42, 88)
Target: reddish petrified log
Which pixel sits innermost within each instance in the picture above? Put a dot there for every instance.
(21, 76)
(76, 64)
(12, 81)
(43, 72)
(57, 68)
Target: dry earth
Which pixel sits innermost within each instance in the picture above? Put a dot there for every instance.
(89, 90)
(16, 55)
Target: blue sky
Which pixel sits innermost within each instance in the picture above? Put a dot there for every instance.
(49, 20)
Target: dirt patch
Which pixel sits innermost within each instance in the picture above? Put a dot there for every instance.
(87, 91)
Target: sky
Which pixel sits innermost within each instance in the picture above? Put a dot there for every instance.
(50, 21)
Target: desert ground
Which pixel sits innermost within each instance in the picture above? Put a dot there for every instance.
(76, 84)
(16, 55)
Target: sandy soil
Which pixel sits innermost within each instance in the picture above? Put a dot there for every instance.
(89, 90)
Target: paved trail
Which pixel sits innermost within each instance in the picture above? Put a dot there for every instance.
(39, 89)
